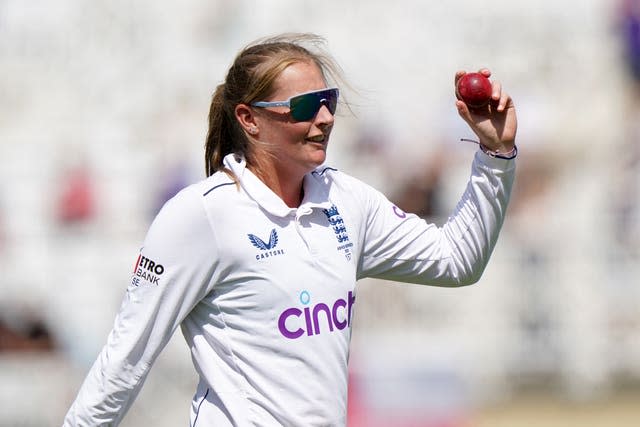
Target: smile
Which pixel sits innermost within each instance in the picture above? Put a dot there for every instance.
(318, 138)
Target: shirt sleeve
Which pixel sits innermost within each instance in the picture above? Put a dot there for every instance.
(403, 247)
(172, 274)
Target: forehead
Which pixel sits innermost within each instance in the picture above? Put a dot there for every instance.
(298, 78)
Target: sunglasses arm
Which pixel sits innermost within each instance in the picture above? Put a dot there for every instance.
(271, 104)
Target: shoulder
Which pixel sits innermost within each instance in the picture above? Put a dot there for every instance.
(216, 185)
(336, 180)
(329, 175)
(195, 195)
(186, 212)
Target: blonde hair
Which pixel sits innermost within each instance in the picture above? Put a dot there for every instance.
(251, 78)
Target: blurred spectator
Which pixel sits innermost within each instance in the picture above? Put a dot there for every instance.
(76, 203)
(536, 177)
(172, 180)
(428, 394)
(2, 230)
(630, 31)
(626, 194)
(370, 154)
(420, 193)
(25, 333)
(626, 179)
(371, 141)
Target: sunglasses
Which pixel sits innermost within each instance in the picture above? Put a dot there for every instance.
(305, 106)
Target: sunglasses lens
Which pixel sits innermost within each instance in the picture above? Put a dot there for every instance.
(331, 100)
(305, 107)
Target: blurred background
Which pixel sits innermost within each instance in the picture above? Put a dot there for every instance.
(103, 110)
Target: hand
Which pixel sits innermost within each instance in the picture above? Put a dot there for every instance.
(495, 125)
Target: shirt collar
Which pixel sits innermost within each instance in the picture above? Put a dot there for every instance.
(316, 193)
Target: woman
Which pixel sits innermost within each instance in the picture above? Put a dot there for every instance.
(257, 263)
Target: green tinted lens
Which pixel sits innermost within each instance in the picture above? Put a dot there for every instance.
(306, 106)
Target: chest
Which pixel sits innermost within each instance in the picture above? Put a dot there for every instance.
(309, 256)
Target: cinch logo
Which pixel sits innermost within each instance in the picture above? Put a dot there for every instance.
(294, 322)
(147, 270)
(267, 247)
(399, 212)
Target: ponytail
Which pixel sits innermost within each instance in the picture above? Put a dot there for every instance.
(223, 131)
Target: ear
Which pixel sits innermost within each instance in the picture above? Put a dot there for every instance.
(246, 118)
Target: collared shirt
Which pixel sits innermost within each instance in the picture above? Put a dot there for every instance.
(265, 294)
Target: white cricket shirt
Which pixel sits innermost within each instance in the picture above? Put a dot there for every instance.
(265, 293)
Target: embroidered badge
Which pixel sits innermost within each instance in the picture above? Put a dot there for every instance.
(340, 231)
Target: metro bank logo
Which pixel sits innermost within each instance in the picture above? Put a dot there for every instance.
(295, 322)
(146, 271)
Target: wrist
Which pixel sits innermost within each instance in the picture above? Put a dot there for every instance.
(500, 153)
(507, 154)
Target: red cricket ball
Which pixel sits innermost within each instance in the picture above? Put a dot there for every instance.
(474, 89)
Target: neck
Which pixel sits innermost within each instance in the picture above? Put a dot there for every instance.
(289, 190)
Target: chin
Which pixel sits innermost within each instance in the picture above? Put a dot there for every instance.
(318, 159)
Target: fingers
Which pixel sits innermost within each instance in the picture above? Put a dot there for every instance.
(494, 123)
(500, 100)
(464, 112)
(484, 71)
(497, 96)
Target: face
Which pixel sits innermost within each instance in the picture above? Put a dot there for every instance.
(295, 148)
